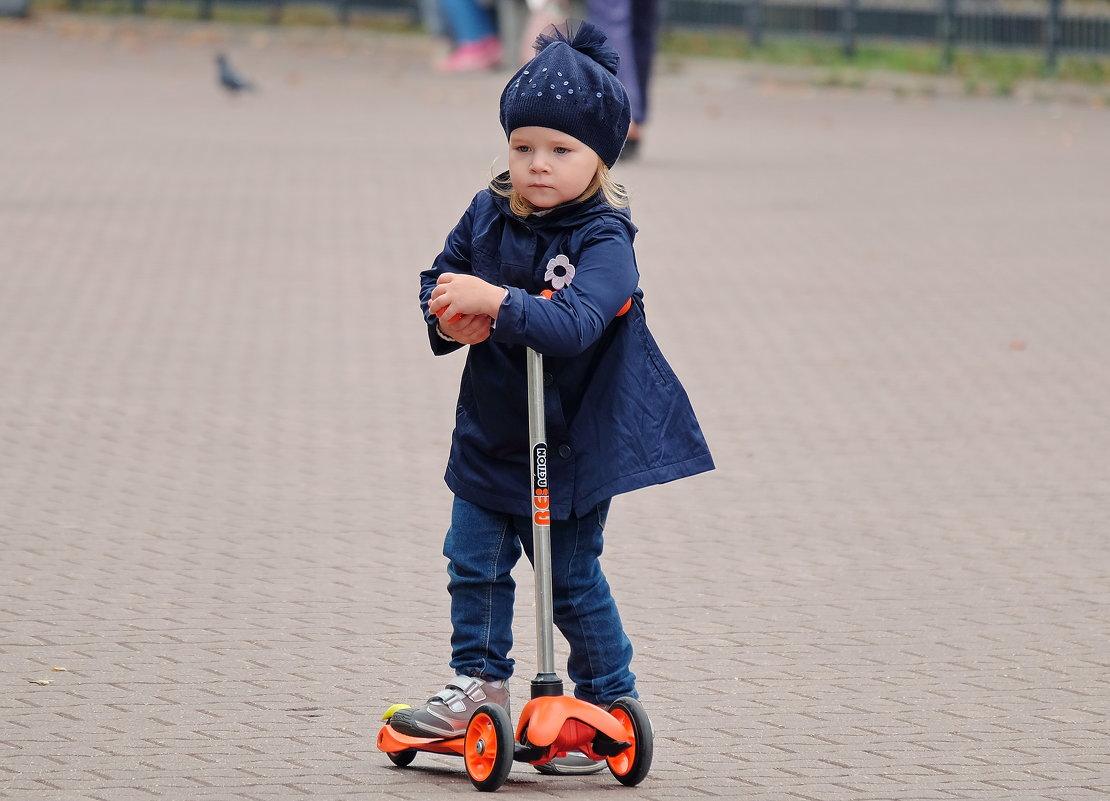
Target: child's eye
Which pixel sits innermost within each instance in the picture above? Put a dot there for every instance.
(562, 150)
(522, 148)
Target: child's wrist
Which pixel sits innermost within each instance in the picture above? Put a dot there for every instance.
(498, 299)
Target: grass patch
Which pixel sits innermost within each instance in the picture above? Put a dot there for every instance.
(991, 71)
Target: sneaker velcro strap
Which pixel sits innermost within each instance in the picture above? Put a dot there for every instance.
(469, 686)
(454, 695)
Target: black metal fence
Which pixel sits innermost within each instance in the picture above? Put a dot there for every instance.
(1050, 26)
(206, 9)
(1053, 26)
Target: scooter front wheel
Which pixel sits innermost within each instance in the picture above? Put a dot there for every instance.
(631, 765)
(488, 747)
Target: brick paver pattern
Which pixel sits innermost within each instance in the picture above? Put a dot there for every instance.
(222, 433)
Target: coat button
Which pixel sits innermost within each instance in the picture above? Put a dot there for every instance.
(565, 451)
(548, 379)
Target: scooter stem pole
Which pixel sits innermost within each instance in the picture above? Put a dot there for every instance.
(541, 524)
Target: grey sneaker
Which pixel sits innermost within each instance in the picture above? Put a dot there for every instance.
(575, 763)
(448, 712)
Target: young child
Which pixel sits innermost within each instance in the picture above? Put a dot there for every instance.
(617, 417)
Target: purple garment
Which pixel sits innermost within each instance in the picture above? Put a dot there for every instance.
(633, 29)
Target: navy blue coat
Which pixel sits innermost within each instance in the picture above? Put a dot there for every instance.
(617, 417)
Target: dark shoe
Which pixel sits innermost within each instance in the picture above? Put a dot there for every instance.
(575, 763)
(631, 150)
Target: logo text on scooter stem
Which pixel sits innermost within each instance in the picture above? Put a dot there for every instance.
(541, 498)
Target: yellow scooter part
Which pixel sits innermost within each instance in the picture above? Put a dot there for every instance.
(396, 707)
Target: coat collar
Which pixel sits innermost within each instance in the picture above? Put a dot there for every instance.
(565, 215)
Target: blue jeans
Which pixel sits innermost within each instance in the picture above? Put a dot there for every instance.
(468, 20)
(482, 546)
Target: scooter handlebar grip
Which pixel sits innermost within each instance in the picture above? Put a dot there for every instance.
(454, 318)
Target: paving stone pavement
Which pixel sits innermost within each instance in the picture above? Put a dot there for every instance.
(222, 435)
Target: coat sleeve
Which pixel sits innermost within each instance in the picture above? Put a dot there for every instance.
(605, 278)
(454, 258)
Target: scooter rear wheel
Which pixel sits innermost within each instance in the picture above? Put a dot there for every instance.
(402, 758)
(631, 765)
(488, 747)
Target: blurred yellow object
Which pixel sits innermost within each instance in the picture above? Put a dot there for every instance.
(389, 712)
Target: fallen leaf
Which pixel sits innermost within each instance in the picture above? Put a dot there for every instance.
(41, 682)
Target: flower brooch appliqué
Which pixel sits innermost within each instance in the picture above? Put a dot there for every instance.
(560, 272)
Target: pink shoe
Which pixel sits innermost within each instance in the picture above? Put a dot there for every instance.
(484, 54)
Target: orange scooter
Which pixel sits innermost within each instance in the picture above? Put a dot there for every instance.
(551, 723)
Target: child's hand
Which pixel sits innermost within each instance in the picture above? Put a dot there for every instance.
(469, 329)
(461, 294)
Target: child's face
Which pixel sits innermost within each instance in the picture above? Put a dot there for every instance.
(548, 167)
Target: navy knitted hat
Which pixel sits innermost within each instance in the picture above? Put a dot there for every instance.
(571, 86)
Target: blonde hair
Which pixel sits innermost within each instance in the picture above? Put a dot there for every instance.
(612, 192)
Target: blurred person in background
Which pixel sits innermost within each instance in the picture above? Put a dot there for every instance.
(632, 27)
(472, 27)
(541, 13)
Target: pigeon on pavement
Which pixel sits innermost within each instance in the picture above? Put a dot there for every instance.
(231, 80)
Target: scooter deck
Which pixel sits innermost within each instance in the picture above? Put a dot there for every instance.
(392, 741)
(543, 724)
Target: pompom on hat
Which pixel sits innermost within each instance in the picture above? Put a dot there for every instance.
(571, 86)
